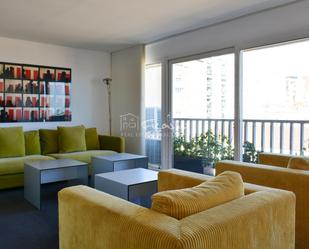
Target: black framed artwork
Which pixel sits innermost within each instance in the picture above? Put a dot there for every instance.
(34, 93)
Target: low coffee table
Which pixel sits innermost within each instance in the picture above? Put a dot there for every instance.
(118, 161)
(134, 185)
(38, 173)
(115, 162)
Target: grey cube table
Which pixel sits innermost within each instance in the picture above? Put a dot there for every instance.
(134, 185)
(38, 173)
(118, 161)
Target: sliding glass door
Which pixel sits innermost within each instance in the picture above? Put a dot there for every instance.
(202, 110)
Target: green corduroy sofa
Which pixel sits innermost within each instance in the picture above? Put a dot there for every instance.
(29, 146)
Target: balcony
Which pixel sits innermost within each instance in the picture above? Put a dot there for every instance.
(278, 136)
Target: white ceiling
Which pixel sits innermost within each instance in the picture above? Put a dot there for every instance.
(111, 25)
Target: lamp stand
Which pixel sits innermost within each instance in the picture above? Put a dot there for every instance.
(107, 82)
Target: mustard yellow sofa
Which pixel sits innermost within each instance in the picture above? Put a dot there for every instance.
(277, 175)
(263, 219)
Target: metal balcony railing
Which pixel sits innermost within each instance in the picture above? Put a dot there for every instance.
(279, 136)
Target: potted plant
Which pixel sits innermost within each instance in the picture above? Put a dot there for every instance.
(186, 155)
(214, 149)
(250, 154)
(201, 153)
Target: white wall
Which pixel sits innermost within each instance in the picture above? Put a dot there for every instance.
(88, 94)
(127, 75)
(275, 25)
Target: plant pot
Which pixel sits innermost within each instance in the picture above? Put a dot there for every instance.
(209, 170)
(189, 164)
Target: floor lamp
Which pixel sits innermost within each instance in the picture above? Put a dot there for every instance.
(107, 82)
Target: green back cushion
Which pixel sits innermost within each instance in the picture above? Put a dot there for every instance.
(71, 139)
(49, 141)
(32, 143)
(92, 139)
(12, 142)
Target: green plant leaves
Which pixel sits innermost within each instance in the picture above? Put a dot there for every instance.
(206, 146)
(211, 148)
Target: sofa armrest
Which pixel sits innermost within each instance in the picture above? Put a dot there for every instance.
(271, 176)
(293, 180)
(177, 179)
(112, 143)
(280, 160)
(262, 220)
(89, 218)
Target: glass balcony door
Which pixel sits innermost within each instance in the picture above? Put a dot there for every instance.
(202, 110)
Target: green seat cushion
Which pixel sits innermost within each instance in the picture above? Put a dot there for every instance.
(71, 139)
(12, 142)
(49, 141)
(11, 181)
(32, 143)
(92, 139)
(84, 156)
(15, 165)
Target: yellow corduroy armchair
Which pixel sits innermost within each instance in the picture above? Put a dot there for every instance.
(90, 219)
(276, 175)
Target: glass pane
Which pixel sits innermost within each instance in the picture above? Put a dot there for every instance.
(55, 103)
(275, 98)
(203, 112)
(153, 121)
(206, 85)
